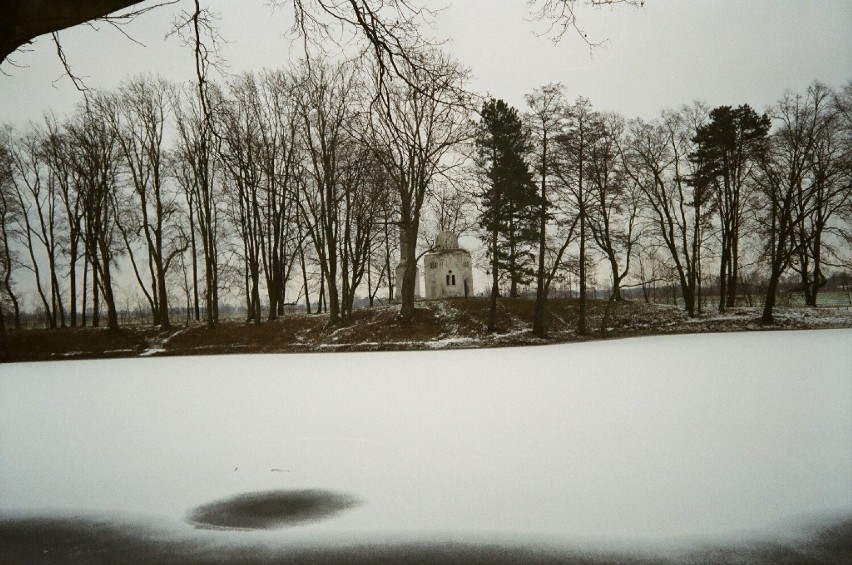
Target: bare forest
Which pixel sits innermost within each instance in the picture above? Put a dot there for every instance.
(299, 189)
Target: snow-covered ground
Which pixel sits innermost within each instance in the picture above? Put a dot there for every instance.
(639, 441)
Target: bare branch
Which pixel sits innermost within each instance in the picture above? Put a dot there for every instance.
(21, 21)
(562, 15)
(132, 14)
(117, 26)
(78, 82)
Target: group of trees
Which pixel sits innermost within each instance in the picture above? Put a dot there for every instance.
(299, 184)
(292, 181)
(692, 189)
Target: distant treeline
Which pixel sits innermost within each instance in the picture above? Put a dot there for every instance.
(299, 186)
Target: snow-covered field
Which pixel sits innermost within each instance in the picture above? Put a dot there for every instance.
(662, 440)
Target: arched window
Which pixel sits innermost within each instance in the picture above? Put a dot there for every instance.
(451, 279)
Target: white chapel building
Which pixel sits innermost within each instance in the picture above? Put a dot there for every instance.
(448, 270)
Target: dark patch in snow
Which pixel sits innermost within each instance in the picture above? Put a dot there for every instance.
(80, 539)
(270, 510)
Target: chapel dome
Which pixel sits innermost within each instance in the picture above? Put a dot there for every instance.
(447, 240)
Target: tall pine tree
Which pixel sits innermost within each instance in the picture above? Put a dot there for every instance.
(509, 199)
(726, 149)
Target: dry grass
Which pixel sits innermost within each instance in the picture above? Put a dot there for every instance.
(454, 323)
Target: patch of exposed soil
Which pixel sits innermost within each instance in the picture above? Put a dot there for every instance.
(77, 343)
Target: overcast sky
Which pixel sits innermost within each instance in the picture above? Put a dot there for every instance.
(666, 54)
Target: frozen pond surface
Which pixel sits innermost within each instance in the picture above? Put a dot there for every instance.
(641, 443)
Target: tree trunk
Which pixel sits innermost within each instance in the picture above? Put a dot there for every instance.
(255, 294)
(305, 277)
(211, 291)
(321, 294)
(109, 298)
(72, 279)
(96, 304)
(164, 303)
(492, 303)
(4, 351)
(723, 276)
(539, 326)
(192, 243)
(273, 292)
(769, 302)
(616, 279)
(495, 277)
(513, 267)
(209, 296)
(409, 241)
(85, 289)
(733, 274)
(582, 327)
(817, 280)
(7, 283)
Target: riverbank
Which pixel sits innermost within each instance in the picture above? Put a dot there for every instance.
(444, 324)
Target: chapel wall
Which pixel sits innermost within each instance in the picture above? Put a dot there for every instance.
(446, 272)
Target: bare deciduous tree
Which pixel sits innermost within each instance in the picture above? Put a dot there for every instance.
(800, 189)
(545, 119)
(9, 212)
(326, 110)
(58, 155)
(613, 202)
(139, 112)
(96, 161)
(415, 131)
(37, 190)
(196, 172)
(657, 161)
